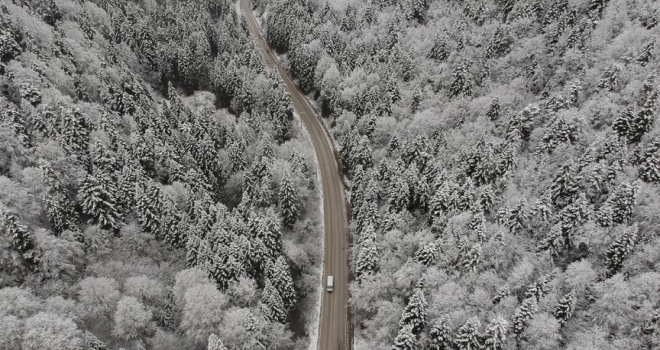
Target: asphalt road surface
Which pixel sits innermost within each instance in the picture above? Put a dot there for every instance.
(335, 332)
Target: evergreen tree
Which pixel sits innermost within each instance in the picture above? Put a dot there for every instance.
(461, 80)
(618, 208)
(367, 259)
(564, 309)
(517, 217)
(405, 339)
(468, 337)
(148, 206)
(538, 289)
(620, 249)
(92, 342)
(646, 54)
(523, 315)
(439, 51)
(427, 254)
(288, 201)
(494, 109)
(280, 276)
(501, 294)
(415, 312)
(98, 200)
(496, 334)
(59, 208)
(214, 343)
(21, 239)
(649, 169)
(271, 304)
(439, 334)
(268, 230)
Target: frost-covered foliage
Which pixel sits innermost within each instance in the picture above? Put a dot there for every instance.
(154, 189)
(505, 151)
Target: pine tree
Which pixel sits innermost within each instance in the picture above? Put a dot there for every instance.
(214, 343)
(280, 276)
(399, 194)
(440, 334)
(268, 230)
(609, 80)
(618, 208)
(468, 337)
(21, 239)
(59, 208)
(415, 312)
(620, 249)
(271, 304)
(461, 80)
(646, 53)
(649, 169)
(367, 259)
(501, 294)
(97, 198)
(470, 261)
(523, 315)
(494, 109)
(427, 254)
(517, 217)
(439, 51)
(148, 206)
(405, 339)
(92, 342)
(564, 309)
(496, 334)
(538, 289)
(288, 201)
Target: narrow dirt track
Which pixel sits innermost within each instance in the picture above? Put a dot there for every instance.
(335, 332)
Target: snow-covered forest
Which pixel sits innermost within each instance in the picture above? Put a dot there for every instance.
(156, 191)
(503, 161)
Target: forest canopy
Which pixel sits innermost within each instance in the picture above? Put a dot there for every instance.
(503, 165)
(155, 191)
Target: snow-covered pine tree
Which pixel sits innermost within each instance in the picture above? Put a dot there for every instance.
(609, 80)
(496, 334)
(21, 239)
(439, 51)
(564, 309)
(468, 337)
(367, 259)
(268, 231)
(271, 304)
(439, 334)
(214, 343)
(539, 288)
(646, 53)
(461, 80)
(279, 274)
(405, 339)
(649, 169)
(97, 195)
(618, 208)
(148, 206)
(523, 315)
(58, 207)
(288, 201)
(427, 253)
(494, 109)
(620, 249)
(415, 312)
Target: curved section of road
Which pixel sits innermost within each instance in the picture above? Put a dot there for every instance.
(335, 331)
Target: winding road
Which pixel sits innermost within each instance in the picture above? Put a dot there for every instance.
(335, 332)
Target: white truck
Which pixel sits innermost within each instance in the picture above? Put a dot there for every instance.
(330, 286)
